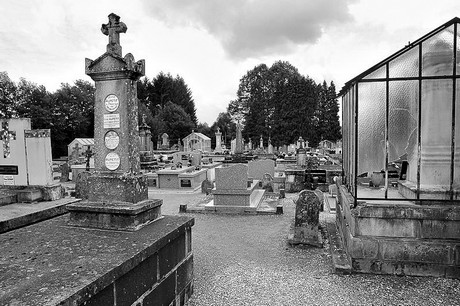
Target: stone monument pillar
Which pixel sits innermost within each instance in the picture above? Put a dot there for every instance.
(261, 144)
(145, 136)
(270, 146)
(117, 195)
(218, 141)
(239, 140)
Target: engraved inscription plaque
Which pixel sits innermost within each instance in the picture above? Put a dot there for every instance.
(111, 103)
(111, 121)
(112, 161)
(111, 140)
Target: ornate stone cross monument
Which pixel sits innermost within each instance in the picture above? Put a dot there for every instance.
(113, 30)
(117, 194)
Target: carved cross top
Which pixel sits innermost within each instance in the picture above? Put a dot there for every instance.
(6, 135)
(113, 30)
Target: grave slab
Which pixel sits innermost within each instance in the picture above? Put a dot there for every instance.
(51, 263)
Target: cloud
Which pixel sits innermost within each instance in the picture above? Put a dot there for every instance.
(246, 28)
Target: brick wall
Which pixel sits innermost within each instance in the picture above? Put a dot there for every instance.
(164, 278)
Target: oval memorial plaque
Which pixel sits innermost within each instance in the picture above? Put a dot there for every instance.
(111, 140)
(111, 103)
(112, 161)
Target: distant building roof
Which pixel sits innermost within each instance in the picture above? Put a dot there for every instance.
(200, 135)
(82, 142)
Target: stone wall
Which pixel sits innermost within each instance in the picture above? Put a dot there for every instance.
(402, 239)
(76, 266)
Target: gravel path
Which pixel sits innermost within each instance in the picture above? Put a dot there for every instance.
(245, 260)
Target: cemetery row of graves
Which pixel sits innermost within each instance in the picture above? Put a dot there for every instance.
(393, 200)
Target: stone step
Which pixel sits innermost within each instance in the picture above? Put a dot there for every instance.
(7, 197)
(341, 262)
(256, 197)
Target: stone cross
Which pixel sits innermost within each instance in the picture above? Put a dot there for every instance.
(88, 155)
(113, 30)
(6, 135)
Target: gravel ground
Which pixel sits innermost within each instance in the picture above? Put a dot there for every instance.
(245, 260)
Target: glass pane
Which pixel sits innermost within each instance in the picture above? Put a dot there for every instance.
(458, 50)
(402, 131)
(436, 135)
(380, 73)
(371, 139)
(456, 185)
(437, 53)
(405, 65)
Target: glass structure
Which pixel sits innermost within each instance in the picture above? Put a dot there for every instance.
(401, 123)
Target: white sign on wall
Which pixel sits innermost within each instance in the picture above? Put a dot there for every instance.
(111, 121)
(8, 180)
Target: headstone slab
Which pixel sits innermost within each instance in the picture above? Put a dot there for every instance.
(233, 177)
(306, 222)
(258, 168)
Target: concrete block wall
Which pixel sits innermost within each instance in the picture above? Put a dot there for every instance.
(164, 278)
(403, 239)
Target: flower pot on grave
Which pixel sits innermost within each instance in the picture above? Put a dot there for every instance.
(377, 179)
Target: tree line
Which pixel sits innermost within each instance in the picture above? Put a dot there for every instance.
(276, 102)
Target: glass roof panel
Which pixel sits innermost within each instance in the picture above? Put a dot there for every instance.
(437, 53)
(380, 73)
(405, 65)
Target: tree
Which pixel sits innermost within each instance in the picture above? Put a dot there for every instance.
(164, 88)
(226, 126)
(7, 96)
(173, 120)
(327, 113)
(73, 114)
(295, 102)
(34, 102)
(267, 95)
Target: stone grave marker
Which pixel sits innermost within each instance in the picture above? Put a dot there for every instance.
(117, 190)
(196, 158)
(26, 154)
(206, 187)
(65, 171)
(258, 168)
(306, 222)
(234, 177)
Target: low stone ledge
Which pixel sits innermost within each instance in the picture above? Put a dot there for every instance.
(59, 264)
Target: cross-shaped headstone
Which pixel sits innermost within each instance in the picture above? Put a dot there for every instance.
(113, 30)
(6, 135)
(88, 154)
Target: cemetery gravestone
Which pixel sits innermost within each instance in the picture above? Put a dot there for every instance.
(258, 168)
(218, 148)
(65, 171)
(117, 183)
(26, 158)
(306, 223)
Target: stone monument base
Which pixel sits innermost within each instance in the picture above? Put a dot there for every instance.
(117, 187)
(114, 216)
(409, 190)
(305, 236)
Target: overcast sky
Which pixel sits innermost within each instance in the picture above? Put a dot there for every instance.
(213, 43)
